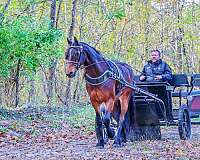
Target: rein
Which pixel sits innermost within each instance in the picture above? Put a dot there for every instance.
(109, 73)
(84, 67)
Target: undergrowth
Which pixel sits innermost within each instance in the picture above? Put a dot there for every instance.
(82, 117)
(40, 118)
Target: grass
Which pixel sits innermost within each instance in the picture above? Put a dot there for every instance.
(196, 119)
(78, 116)
(82, 117)
(3, 129)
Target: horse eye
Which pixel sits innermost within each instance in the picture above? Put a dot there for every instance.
(76, 54)
(66, 56)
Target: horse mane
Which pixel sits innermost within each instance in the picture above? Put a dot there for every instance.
(88, 47)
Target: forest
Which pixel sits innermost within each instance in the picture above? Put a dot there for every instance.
(34, 32)
(33, 43)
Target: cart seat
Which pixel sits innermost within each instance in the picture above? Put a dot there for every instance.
(179, 80)
(195, 80)
(180, 94)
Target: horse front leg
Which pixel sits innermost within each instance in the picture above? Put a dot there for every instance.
(99, 130)
(98, 124)
(121, 131)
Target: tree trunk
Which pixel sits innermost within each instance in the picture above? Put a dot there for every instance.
(50, 81)
(53, 61)
(192, 48)
(180, 45)
(72, 26)
(146, 27)
(58, 13)
(76, 93)
(32, 91)
(71, 30)
(4, 10)
(1, 95)
(121, 37)
(53, 13)
(103, 7)
(17, 83)
(162, 27)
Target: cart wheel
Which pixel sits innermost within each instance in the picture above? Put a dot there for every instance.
(184, 123)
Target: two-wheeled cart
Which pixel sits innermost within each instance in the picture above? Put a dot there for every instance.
(160, 103)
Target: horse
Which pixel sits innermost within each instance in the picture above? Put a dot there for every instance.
(106, 85)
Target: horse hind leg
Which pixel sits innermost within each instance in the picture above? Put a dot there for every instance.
(121, 131)
(118, 137)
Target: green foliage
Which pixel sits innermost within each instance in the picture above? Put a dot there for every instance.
(3, 129)
(118, 11)
(118, 14)
(82, 117)
(28, 40)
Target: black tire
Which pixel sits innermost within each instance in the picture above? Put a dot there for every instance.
(184, 123)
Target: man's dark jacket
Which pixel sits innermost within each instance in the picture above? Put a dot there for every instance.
(159, 67)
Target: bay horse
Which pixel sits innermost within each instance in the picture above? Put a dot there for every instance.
(105, 84)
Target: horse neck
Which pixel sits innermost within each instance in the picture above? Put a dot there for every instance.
(95, 64)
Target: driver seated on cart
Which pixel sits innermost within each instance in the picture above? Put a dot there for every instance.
(157, 70)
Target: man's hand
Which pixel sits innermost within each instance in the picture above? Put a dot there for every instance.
(142, 78)
(158, 77)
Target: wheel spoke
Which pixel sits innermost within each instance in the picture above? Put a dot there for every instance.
(184, 122)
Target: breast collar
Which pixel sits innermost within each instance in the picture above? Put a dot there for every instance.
(113, 72)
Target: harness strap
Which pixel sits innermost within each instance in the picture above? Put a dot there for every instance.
(113, 72)
(100, 79)
(116, 70)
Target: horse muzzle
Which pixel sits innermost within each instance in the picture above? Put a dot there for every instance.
(71, 74)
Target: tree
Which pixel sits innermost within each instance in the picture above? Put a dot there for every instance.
(70, 36)
(23, 48)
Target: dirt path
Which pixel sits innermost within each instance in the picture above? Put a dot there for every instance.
(70, 143)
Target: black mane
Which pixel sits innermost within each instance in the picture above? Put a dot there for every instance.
(90, 49)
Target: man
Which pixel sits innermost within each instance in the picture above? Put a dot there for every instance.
(156, 69)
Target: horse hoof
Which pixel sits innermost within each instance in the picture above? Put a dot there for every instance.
(111, 134)
(112, 137)
(105, 141)
(116, 145)
(99, 146)
(123, 141)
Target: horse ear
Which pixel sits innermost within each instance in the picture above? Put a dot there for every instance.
(69, 41)
(76, 41)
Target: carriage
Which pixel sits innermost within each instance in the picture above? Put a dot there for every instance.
(174, 103)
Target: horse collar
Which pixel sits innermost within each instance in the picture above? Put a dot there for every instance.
(112, 72)
(98, 80)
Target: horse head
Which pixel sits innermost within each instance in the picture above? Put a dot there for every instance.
(74, 58)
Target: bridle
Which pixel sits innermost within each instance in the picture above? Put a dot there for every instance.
(80, 51)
